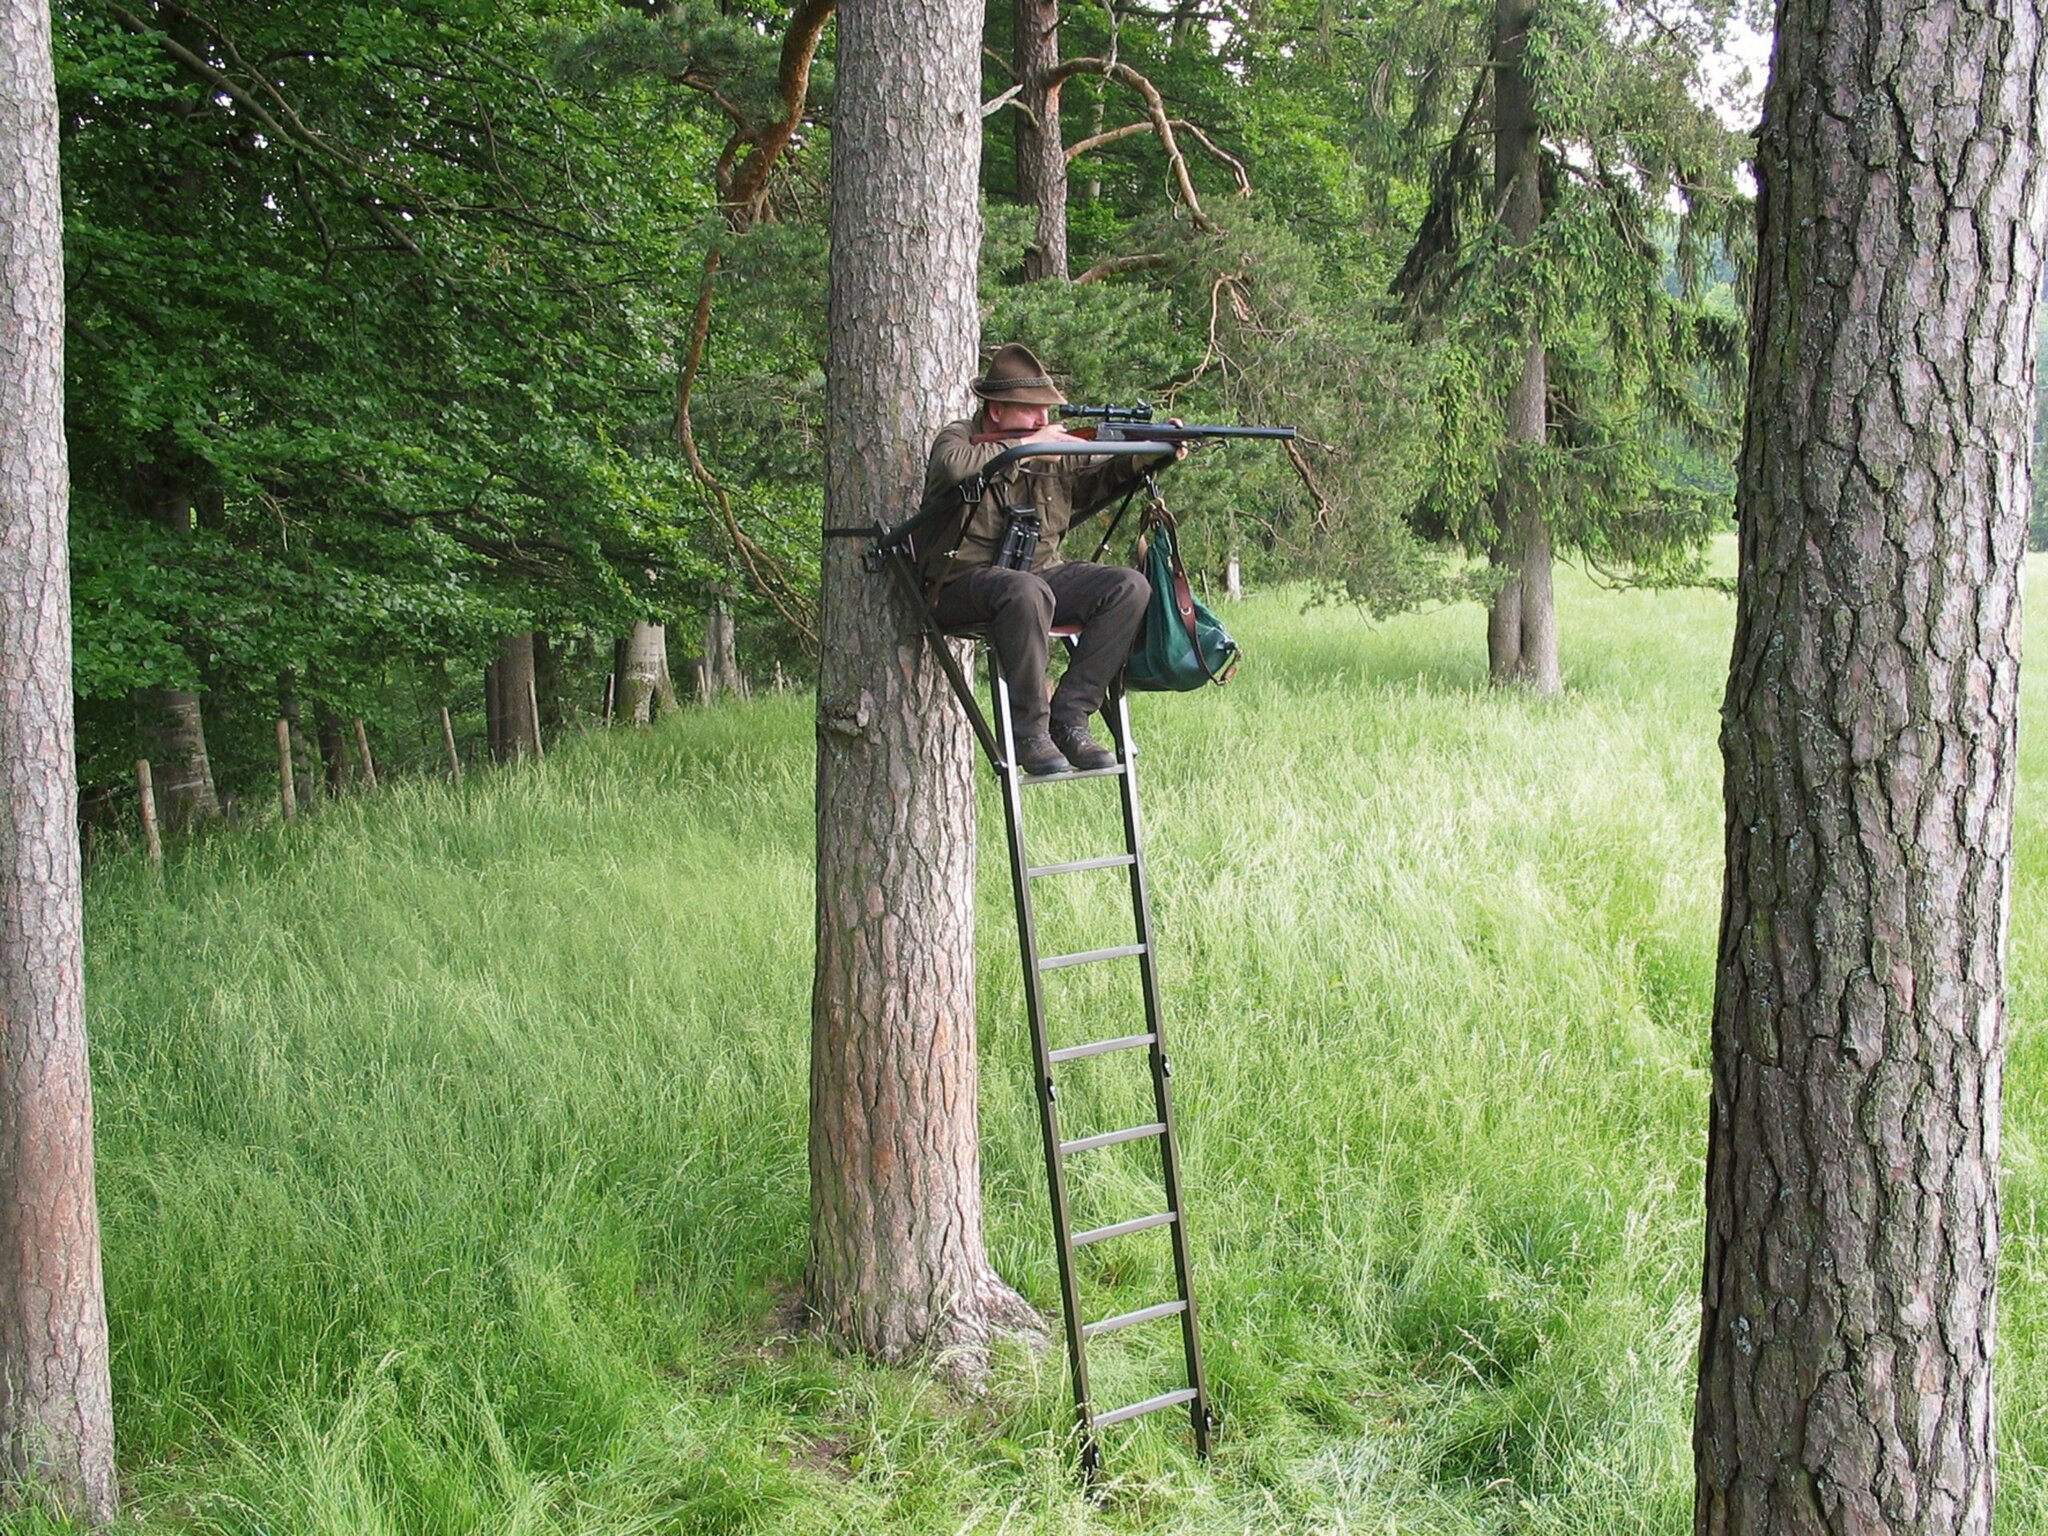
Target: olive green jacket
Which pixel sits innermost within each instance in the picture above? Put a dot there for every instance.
(1063, 491)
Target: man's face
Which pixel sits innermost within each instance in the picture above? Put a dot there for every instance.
(1007, 416)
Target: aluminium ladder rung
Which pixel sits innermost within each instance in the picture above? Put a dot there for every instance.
(1111, 1138)
(1128, 1319)
(1075, 866)
(1120, 1043)
(1066, 775)
(1150, 1405)
(1118, 1229)
(1089, 956)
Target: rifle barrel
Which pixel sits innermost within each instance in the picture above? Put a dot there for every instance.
(1161, 433)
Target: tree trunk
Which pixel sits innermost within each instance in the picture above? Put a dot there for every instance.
(1041, 149)
(547, 684)
(518, 730)
(1504, 615)
(175, 735)
(1524, 651)
(494, 721)
(644, 681)
(1868, 735)
(294, 718)
(333, 752)
(898, 1265)
(56, 1409)
(721, 654)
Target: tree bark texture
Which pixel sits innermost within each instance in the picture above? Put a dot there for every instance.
(1868, 736)
(1522, 629)
(512, 678)
(56, 1410)
(644, 681)
(1041, 148)
(898, 1266)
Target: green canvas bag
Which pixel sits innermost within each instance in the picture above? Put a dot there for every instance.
(1182, 645)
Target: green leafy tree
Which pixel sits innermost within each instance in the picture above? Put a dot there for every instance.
(1566, 358)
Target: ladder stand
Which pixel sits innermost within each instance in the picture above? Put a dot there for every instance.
(999, 745)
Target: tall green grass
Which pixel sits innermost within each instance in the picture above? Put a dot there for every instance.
(452, 1142)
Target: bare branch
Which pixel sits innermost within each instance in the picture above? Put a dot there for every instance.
(1155, 108)
(996, 104)
(1111, 136)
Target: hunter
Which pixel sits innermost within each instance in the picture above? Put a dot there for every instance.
(971, 587)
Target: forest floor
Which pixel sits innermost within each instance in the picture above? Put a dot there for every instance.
(452, 1155)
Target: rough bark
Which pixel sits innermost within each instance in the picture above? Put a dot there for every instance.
(898, 1266)
(1041, 154)
(56, 1410)
(518, 732)
(1522, 630)
(1868, 736)
(644, 682)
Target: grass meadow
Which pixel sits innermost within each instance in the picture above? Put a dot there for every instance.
(452, 1142)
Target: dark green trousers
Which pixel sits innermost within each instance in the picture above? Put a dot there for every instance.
(1018, 609)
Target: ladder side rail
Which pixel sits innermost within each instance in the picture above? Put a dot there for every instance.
(1162, 1072)
(1044, 1091)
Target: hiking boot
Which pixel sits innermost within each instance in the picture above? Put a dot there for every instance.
(1081, 749)
(1037, 756)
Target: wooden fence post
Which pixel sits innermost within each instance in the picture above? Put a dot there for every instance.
(448, 741)
(286, 792)
(533, 702)
(147, 790)
(363, 753)
(611, 688)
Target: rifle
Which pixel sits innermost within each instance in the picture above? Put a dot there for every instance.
(1134, 424)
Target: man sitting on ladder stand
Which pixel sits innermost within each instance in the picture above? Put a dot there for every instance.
(1002, 567)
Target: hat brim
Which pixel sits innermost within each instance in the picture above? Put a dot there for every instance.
(1018, 391)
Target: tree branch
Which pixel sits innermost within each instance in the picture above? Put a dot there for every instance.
(1155, 108)
(1096, 141)
(792, 84)
(1111, 266)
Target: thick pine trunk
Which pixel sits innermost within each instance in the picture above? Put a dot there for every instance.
(645, 686)
(1846, 1333)
(1041, 149)
(1522, 629)
(56, 1411)
(898, 1266)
